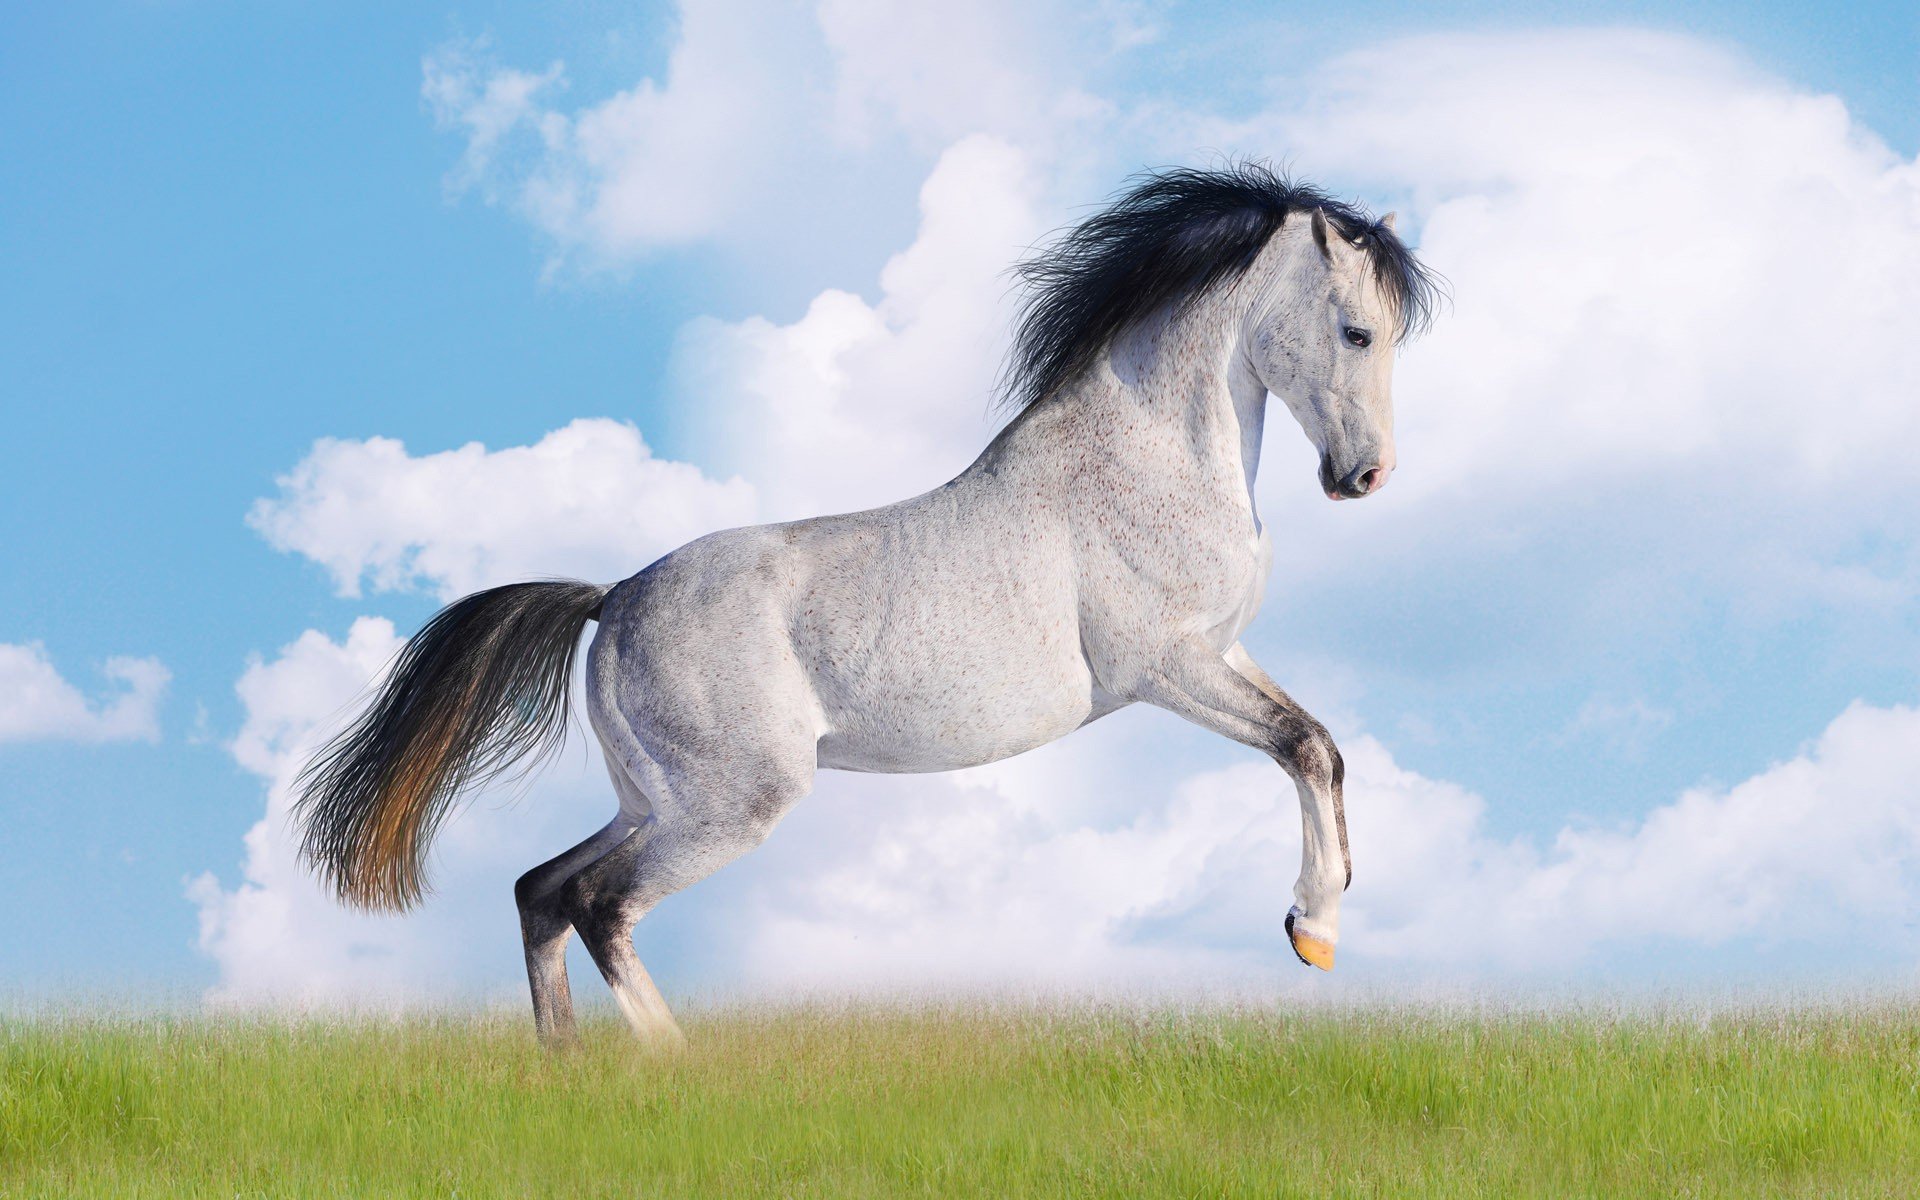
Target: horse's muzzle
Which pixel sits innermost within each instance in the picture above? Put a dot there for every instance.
(1363, 480)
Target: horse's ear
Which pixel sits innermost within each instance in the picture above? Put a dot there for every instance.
(1386, 222)
(1320, 234)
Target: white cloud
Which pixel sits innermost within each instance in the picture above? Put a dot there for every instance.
(1049, 871)
(1677, 280)
(1664, 262)
(969, 887)
(1630, 725)
(277, 937)
(38, 704)
(1682, 289)
(589, 500)
(1809, 853)
(772, 124)
(489, 105)
(664, 162)
(942, 72)
(858, 404)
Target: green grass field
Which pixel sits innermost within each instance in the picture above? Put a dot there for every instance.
(988, 1102)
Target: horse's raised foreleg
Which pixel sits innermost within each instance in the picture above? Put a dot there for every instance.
(1323, 817)
(1231, 695)
(544, 928)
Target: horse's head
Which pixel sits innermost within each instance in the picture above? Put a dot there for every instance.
(1318, 305)
(1323, 342)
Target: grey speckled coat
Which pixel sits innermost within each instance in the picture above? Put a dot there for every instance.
(1104, 550)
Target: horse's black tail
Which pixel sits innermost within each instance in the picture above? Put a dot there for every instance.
(485, 684)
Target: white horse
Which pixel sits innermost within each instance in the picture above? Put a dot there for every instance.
(1104, 550)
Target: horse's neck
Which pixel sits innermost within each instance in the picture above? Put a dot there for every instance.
(1187, 371)
(1181, 375)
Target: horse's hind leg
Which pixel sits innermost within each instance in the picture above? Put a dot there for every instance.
(604, 901)
(700, 821)
(705, 715)
(545, 928)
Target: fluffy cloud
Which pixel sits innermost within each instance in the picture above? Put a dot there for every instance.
(970, 887)
(662, 163)
(1676, 343)
(1810, 854)
(1049, 873)
(942, 72)
(858, 404)
(588, 500)
(487, 104)
(1676, 278)
(1679, 282)
(277, 937)
(1664, 260)
(776, 126)
(38, 704)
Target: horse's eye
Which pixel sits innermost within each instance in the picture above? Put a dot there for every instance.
(1359, 337)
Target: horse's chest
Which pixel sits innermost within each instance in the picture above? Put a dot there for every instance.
(1182, 563)
(1223, 588)
(1240, 602)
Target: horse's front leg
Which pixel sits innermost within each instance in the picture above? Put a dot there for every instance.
(1233, 696)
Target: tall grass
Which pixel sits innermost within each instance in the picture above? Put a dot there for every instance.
(972, 1102)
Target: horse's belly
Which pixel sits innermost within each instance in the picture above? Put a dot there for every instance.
(968, 720)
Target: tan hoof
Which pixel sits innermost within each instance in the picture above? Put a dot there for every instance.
(1313, 951)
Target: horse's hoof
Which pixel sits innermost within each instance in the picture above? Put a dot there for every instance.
(1313, 951)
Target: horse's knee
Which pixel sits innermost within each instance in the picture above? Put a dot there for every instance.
(529, 891)
(541, 918)
(586, 902)
(1305, 748)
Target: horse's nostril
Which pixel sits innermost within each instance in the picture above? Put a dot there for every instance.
(1360, 481)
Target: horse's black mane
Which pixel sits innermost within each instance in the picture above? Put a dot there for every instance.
(1170, 237)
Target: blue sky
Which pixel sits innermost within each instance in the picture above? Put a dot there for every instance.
(228, 231)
